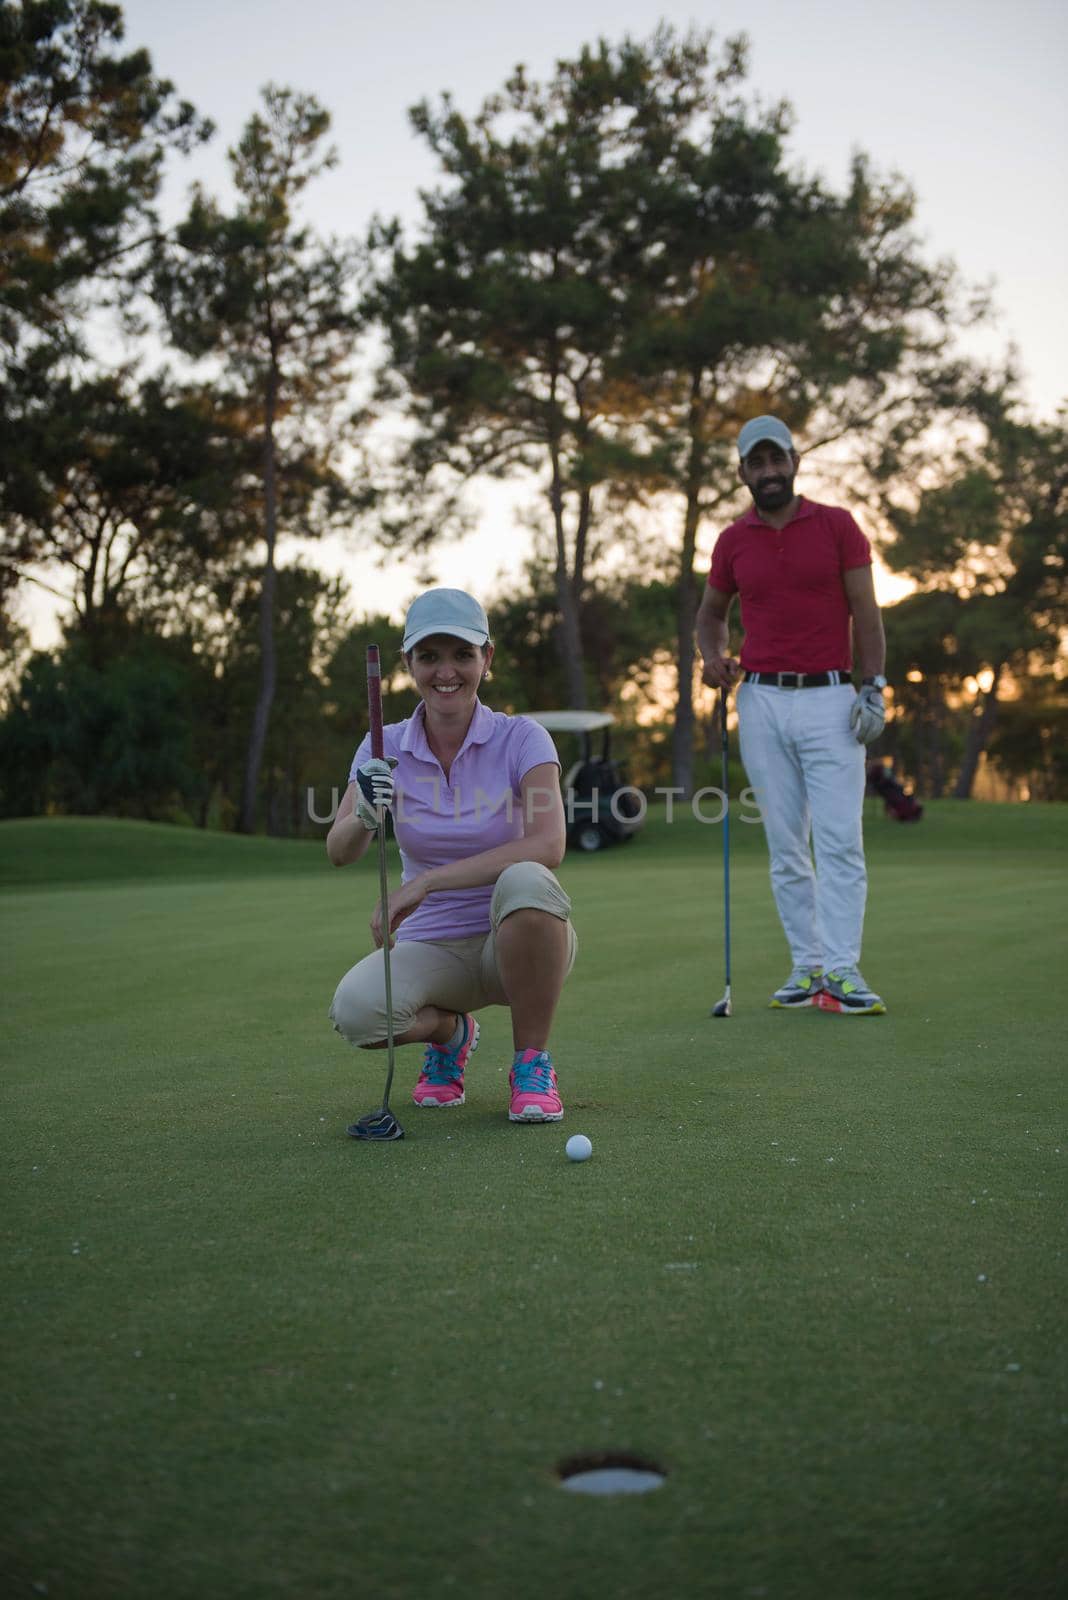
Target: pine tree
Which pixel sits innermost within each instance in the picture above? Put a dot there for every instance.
(618, 268)
(268, 303)
(85, 131)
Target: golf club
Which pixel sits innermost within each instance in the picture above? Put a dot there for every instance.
(380, 1124)
(722, 1008)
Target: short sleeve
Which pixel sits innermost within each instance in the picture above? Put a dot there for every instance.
(533, 747)
(853, 545)
(362, 754)
(721, 576)
(392, 735)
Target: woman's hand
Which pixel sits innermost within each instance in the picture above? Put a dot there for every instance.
(402, 903)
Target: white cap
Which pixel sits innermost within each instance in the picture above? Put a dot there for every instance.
(448, 611)
(762, 430)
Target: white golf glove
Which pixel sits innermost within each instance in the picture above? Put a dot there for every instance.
(374, 788)
(867, 714)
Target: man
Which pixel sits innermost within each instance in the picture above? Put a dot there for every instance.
(802, 572)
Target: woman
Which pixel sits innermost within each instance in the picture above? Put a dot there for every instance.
(479, 919)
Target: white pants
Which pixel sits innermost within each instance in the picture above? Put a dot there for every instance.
(808, 773)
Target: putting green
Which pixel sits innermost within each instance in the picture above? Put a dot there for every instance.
(814, 1270)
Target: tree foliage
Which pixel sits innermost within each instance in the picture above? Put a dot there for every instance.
(84, 737)
(617, 269)
(987, 541)
(125, 493)
(84, 133)
(1029, 744)
(270, 304)
(501, 320)
(760, 290)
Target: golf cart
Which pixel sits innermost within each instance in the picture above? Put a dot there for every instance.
(600, 808)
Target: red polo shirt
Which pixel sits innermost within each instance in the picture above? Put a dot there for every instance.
(794, 608)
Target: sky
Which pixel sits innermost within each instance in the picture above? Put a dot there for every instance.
(965, 100)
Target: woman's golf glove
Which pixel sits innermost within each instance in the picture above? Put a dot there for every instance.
(867, 714)
(374, 788)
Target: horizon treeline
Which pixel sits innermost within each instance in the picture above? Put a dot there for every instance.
(616, 267)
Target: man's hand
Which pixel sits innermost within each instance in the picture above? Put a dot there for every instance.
(721, 672)
(867, 714)
(374, 788)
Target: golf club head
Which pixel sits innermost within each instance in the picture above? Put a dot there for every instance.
(377, 1126)
(722, 1008)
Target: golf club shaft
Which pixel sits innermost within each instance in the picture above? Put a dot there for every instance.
(374, 709)
(726, 837)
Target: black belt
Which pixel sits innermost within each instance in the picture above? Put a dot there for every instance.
(798, 680)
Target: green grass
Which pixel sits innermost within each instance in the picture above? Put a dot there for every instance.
(815, 1266)
(68, 851)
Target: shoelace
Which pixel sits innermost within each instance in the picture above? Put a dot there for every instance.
(440, 1066)
(532, 1077)
(849, 977)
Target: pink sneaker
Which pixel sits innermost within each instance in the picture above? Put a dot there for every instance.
(534, 1093)
(441, 1082)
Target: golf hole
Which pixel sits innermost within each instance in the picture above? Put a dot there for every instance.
(610, 1473)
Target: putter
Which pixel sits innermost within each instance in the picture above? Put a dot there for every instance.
(381, 1124)
(722, 1008)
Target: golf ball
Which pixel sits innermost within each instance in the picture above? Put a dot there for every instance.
(578, 1148)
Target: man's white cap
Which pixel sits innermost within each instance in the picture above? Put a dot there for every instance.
(448, 611)
(763, 430)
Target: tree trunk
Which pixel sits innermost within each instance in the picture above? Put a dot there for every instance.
(686, 605)
(979, 730)
(927, 727)
(570, 632)
(686, 615)
(268, 664)
(938, 745)
(582, 529)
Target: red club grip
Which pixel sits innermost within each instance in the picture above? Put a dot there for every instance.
(374, 699)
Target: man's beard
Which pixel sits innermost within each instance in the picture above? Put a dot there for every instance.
(771, 494)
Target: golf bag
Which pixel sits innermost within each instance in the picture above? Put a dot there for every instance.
(901, 806)
(599, 799)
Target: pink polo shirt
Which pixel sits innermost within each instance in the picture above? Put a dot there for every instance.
(477, 807)
(794, 607)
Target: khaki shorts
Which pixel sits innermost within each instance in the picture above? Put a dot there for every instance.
(452, 974)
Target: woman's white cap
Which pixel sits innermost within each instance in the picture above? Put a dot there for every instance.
(448, 611)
